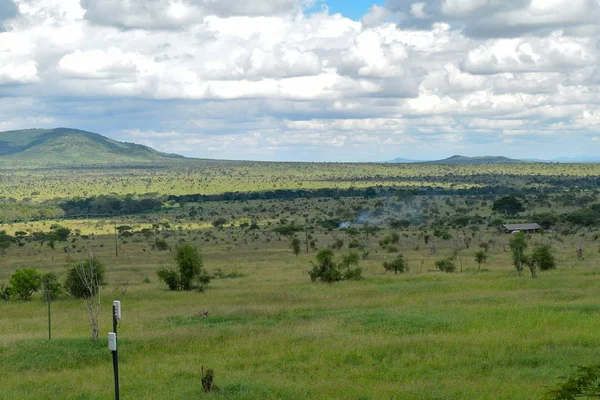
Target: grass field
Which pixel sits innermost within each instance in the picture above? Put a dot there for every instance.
(273, 334)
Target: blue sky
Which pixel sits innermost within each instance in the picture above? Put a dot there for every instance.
(256, 80)
(354, 9)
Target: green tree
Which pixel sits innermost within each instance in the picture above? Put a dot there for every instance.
(584, 384)
(190, 267)
(480, 257)
(325, 269)
(25, 282)
(508, 205)
(543, 257)
(518, 245)
(446, 265)
(398, 264)
(295, 246)
(85, 278)
(51, 285)
(350, 261)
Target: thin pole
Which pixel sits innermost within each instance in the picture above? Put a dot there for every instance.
(116, 355)
(116, 243)
(49, 315)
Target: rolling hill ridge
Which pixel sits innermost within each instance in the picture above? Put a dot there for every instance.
(64, 146)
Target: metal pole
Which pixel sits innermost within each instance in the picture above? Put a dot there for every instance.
(116, 243)
(116, 355)
(49, 315)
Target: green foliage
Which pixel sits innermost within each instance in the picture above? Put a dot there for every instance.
(295, 246)
(584, 384)
(25, 282)
(190, 268)
(350, 262)
(219, 222)
(5, 292)
(288, 230)
(398, 264)
(160, 244)
(51, 286)
(5, 241)
(518, 245)
(85, 278)
(325, 269)
(446, 265)
(508, 205)
(543, 257)
(480, 257)
(170, 277)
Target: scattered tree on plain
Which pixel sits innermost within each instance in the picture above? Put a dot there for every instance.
(25, 282)
(398, 264)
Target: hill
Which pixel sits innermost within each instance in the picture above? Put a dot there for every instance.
(401, 160)
(64, 146)
(475, 160)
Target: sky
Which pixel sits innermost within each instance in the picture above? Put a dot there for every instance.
(309, 80)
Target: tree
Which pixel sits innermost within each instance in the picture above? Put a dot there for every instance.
(585, 384)
(518, 244)
(85, 279)
(508, 205)
(190, 266)
(398, 264)
(51, 286)
(325, 269)
(446, 265)
(351, 260)
(295, 246)
(543, 258)
(480, 257)
(25, 282)
(5, 292)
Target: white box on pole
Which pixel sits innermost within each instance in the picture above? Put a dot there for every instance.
(112, 341)
(117, 305)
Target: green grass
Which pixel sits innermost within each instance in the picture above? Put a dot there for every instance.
(273, 334)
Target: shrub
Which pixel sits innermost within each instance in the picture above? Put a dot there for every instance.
(446, 265)
(51, 285)
(326, 269)
(75, 284)
(170, 277)
(398, 264)
(160, 244)
(25, 282)
(5, 292)
(542, 257)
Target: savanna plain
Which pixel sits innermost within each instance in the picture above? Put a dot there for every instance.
(441, 302)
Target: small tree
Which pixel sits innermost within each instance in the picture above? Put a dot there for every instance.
(295, 246)
(518, 244)
(325, 269)
(351, 260)
(480, 257)
(584, 384)
(25, 282)
(446, 265)
(85, 279)
(542, 256)
(398, 264)
(5, 292)
(51, 285)
(190, 266)
(508, 205)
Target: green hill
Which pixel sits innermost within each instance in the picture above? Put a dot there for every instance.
(476, 160)
(63, 146)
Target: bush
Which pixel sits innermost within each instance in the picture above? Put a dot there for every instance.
(51, 285)
(542, 257)
(326, 269)
(189, 274)
(160, 244)
(5, 292)
(25, 282)
(398, 264)
(170, 277)
(446, 265)
(76, 286)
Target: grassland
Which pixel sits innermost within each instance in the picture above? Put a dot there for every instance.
(272, 333)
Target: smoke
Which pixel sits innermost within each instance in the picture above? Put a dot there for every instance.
(344, 225)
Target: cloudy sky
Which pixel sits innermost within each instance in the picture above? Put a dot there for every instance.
(313, 80)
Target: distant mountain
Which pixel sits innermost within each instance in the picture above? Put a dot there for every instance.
(475, 160)
(64, 146)
(403, 161)
(582, 159)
